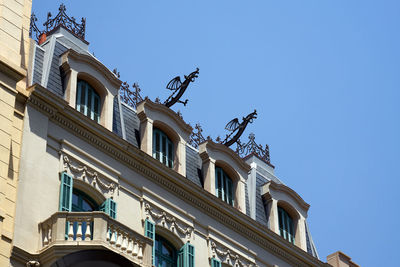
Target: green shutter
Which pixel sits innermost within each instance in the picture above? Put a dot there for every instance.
(149, 231)
(66, 192)
(215, 263)
(186, 256)
(110, 207)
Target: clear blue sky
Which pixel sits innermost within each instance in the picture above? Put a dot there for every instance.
(323, 76)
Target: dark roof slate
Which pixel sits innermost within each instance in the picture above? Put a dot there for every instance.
(193, 166)
(54, 83)
(38, 65)
(131, 122)
(260, 208)
(117, 128)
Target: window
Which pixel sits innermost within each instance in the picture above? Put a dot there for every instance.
(163, 149)
(72, 199)
(215, 263)
(81, 202)
(285, 225)
(223, 186)
(88, 101)
(164, 254)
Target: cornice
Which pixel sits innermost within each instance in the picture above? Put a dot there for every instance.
(89, 60)
(111, 144)
(271, 185)
(210, 145)
(17, 73)
(160, 108)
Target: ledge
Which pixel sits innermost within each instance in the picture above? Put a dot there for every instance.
(210, 145)
(72, 54)
(16, 72)
(161, 109)
(271, 185)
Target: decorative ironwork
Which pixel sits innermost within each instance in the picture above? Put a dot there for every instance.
(179, 88)
(237, 128)
(196, 138)
(251, 147)
(33, 28)
(69, 23)
(130, 97)
(179, 113)
(116, 72)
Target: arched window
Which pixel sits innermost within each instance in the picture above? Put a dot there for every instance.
(223, 186)
(163, 148)
(165, 253)
(82, 202)
(286, 225)
(88, 100)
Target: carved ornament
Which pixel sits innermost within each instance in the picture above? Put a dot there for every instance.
(169, 222)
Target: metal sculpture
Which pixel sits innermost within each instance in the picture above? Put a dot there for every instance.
(69, 23)
(252, 147)
(237, 128)
(179, 88)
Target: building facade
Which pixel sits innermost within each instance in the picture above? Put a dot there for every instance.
(106, 177)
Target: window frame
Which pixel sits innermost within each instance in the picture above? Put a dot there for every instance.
(90, 106)
(163, 148)
(286, 225)
(224, 186)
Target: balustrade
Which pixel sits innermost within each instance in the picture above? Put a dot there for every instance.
(96, 228)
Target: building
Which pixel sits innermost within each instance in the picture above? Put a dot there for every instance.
(105, 177)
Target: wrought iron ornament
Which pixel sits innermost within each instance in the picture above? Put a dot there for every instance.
(179, 88)
(33, 28)
(237, 128)
(196, 138)
(130, 97)
(63, 19)
(251, 147)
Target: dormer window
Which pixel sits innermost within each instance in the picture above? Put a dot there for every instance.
(286, 228)
(223, 186)
(163, 148)
(88, 101)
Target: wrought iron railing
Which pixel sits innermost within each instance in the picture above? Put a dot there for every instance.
(61, 19)
(251, 147)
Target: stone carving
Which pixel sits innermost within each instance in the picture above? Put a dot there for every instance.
(87, 172)
(229, 257)
(168, 221)
(33, 264)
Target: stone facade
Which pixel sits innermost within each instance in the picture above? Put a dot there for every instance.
(61, 159)
(14, 58)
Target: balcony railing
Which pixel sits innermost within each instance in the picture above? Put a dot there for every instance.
(97, 229)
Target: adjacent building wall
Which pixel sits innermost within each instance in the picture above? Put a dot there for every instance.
(14, 52)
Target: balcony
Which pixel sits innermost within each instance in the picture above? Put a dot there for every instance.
(94, 230)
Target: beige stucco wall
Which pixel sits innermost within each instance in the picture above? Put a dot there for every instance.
(137, 197)
(14, 50)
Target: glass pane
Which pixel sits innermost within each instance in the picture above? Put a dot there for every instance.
(86, 206)
(89, 103)
(82, 98)
(170, 158)
(164, 148)
(157, 145)
(96, 108)
(74, 199)
(166, 250)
